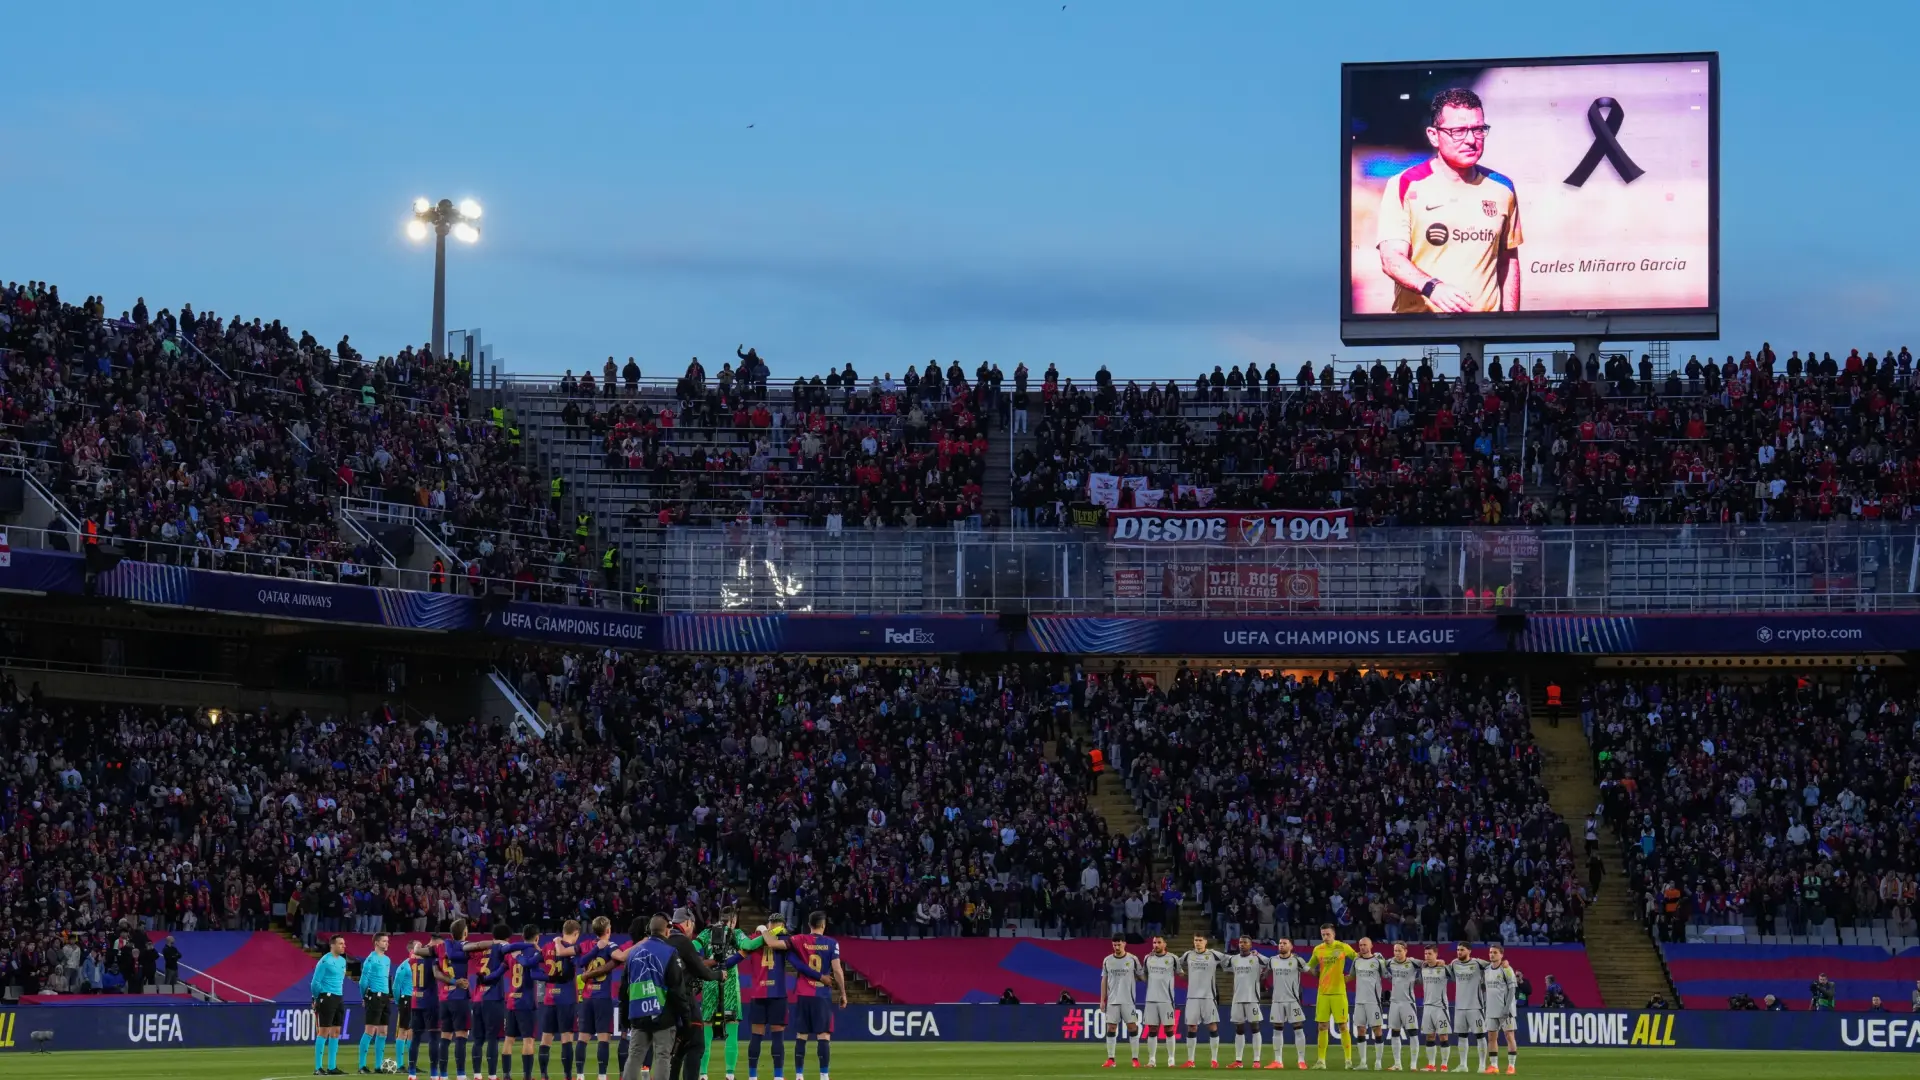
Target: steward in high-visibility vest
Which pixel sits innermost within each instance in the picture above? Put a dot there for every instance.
(583, 525)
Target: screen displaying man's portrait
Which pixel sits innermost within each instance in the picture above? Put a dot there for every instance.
(1477, 189)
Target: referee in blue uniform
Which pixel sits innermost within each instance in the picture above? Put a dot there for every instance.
(402, 1010)
(329, 986)
(376, 986)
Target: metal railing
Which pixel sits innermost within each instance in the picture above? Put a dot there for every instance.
(312, 568)
(215, 987)
(23, 467)
(761, 569)
(1682, 569)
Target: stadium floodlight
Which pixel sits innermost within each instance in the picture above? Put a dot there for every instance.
(441, 218)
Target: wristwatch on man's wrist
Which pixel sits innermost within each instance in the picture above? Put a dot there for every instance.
(1427, 289)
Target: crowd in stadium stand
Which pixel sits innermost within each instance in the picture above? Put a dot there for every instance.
(1398, 807)
(826, 453)
(1757, 439)
(220, 442)
(183, 819)
(1749, 440)
(911, 800)
(184, 438)
(1400, 448)
(1787, 801)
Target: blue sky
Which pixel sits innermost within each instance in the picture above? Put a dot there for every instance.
(1145, 185)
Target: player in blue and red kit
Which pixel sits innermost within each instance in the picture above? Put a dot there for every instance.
(490, 1005)
(426, 1012)
(765, 996)
(815, 958)
(524, 974)
(451, 969)
(598, 992)
(489, 1008)
(494, 1006)
(559, 1010)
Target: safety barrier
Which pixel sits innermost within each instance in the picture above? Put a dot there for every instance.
(1779, 633)
(144, 1027)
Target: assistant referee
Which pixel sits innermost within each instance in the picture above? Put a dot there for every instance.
(329, 985)
(376, 986)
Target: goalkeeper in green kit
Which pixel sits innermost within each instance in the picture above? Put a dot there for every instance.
(720, 1008)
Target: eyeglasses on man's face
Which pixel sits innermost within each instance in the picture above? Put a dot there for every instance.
(1463, 134)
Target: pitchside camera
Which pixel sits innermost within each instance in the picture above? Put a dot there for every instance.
(42, 1042)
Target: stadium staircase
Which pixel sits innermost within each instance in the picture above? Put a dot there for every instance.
(1626, 963)
(997, 490)
(281, 930)
(609, 497)
(1116, 806)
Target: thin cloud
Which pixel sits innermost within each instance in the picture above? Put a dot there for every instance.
(935, 287)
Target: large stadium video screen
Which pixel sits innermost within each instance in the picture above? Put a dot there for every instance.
(1509, 200)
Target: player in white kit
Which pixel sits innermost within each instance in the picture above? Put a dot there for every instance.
(1503, 1014)
(1403, 1014)
(1118, 974)
(1469, 1004)
(1249, 969)
(1285, 968)
(1368, 967)
(1434, 976)
(1200, 965)
(1157, 1019)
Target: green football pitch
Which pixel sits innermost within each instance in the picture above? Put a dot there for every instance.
(999, 1061)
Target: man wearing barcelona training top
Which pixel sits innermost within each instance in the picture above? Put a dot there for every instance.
(1450, 227)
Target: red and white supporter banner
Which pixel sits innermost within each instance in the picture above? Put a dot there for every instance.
(1264, 588)
(1242, 588)
(1230, 528)
(1103, 489)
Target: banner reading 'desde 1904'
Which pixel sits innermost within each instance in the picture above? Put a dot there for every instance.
(1230, 528)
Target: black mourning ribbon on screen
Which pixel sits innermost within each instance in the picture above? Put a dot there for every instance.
(1605, 116)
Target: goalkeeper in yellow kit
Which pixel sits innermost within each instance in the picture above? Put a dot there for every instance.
(1329, 964)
